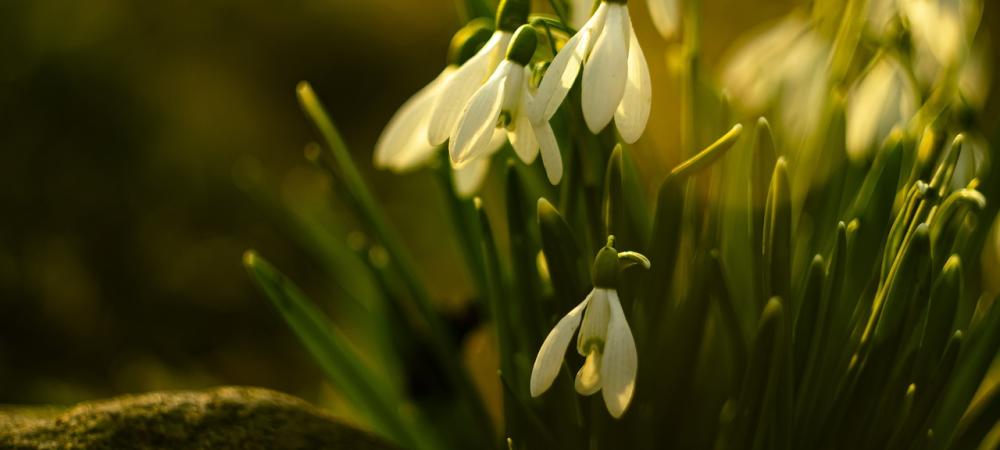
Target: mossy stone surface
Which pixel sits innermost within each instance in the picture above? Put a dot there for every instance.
(221, 418)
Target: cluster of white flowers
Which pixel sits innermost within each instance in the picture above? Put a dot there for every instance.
(479, 103)
(777, 68)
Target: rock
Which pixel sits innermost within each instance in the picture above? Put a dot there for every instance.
(222, 418)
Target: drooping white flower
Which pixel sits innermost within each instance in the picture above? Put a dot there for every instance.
(939, 26)
(604, 339)
(666, 15)
(616, 81)
(460, 86)
(403, 145)
(501, 104)
(884, 98)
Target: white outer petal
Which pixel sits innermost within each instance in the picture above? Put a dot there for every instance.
(633, 111)
(469, 178)
(551, 158)
(565, 67)
(460, 87)
(618, 368)
(403, 144)
(479, 118)
(553, 351)
(666, 17)
(595, 321)
(523, 139)
(604, 73)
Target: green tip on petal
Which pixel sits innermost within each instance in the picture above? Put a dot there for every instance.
(522, 46)
(468, 40)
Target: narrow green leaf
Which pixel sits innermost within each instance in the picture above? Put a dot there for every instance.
(709, 155)
(568, 269)
(664, 242)
(612, 208)
(753, 406)
(368, 391)
(526, 307)
(778, 234)
(978, 421)
(940, 317)
(984, 342)
(809, 322)
(343, 169)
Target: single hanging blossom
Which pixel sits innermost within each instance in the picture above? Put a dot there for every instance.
(616, 81)
(502, 103)
(403, 145)
(456, 91)
(883, 99)
(666, 15)
(604, 338)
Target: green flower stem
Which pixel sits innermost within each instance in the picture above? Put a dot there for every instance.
(465, 222)
(371, 212)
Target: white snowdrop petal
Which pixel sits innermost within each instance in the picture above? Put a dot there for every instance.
(551, 158)
(633, 111)
(403, 144)
(550, 356)
(595, 322)
(565, 67)
(478, 121)
(522, 138)
(588, 378)
(460, 87)
(618, 367)
(469, 178)
(604, 73)
(666, 17)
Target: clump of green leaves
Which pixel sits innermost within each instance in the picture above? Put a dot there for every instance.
(795, 299)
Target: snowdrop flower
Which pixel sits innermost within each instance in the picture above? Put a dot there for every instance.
(502, 103)
(616, 81)
(456, 91)
(939, 26)
(403, 145)
(882, 99)
(666, 15)
(604, 338)
(778, 68)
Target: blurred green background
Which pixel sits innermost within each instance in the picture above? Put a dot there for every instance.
(126, 128)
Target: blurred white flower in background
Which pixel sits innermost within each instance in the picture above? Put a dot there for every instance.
(882, 99)
(780, 71)
(666, 16)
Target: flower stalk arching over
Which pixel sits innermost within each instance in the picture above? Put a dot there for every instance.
(604, 339)
(501, 104)
(616, 84)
